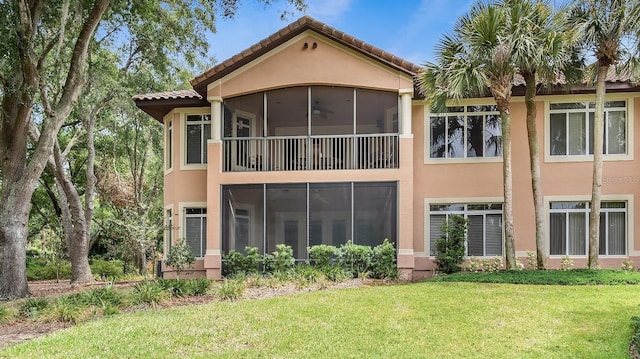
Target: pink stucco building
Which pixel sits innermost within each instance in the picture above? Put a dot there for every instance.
(312, 136)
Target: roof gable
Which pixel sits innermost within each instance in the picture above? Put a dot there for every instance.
(287, 33)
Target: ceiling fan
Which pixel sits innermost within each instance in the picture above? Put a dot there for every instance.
(316, 110)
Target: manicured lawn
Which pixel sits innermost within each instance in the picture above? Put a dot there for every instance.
(422, 320)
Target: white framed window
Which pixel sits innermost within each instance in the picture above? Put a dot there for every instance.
(470, 131)
(485, 232)
(168, 232)
(198, 132)
(571, 128)
(569, 228)
(168, 145)
(195, 230)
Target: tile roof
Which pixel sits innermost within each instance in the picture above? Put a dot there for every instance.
(200, 82)
(168, 95)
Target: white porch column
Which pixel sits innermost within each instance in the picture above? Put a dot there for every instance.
(405, 112)
(216, 118)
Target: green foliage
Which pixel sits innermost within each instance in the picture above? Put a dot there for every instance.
(566, 263)
(112, 269)
(322, 255)
(100, 297)
(231, 290)
(634, 347)
(474, 264)
(355, 258)
(492, 265)
(149, 292)
(185, 288)
(450, 248)
(42, 269)
(199, 286)
(65, 309)
(6, 314)
(283, 259)
(235, 262)
(383, 261)
(33, 307)
(180, 256)
(532, 260)
(548, 277)
(305, 275)
(336, 273)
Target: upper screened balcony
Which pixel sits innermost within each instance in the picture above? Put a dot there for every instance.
(311, 128)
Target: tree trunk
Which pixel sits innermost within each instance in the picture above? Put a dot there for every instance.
(501, 91)
(509, 232)
(596, 186)
(90, 187)
(534, 160)
(77, 239)
(14, 218)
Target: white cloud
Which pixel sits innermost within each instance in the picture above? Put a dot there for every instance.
(328, 10)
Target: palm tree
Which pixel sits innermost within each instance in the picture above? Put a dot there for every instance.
(542, 44)
(606, 25)
(473, 61)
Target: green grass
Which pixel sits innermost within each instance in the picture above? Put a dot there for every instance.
(552, 277)
(429, 319)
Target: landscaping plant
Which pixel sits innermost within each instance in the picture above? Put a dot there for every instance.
(450, 248)
(180, 256)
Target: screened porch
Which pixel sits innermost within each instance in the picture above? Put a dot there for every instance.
(311, 128)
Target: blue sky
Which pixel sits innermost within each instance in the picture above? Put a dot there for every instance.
(406, 28)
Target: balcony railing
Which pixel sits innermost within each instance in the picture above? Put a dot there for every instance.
(299, 153)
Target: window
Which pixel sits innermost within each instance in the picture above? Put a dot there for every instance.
(465, 132)
(484, 235)
(197, 134)
(569, 228)
(168, 154)
(168, 239)
(195, 232)
(571, 128)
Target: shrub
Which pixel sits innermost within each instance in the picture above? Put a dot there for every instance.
(474, 264)
(65, 309)
(180, 256)
(492, 265)
(6, 314)
(322, 255)
(383, 261)
(355, 258)
(450, 247)
(184, 288)
(41, 269)
(148, 292)
(627, 265)
(283, 259)
(566, 263)
(100, 297)
(199, 286)
(107, 269)
(532, 260)
(336, 273)
(519, 265)
(231, 290)
(33, 307)
(176, 287)
(236, 262)
(305, 275)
